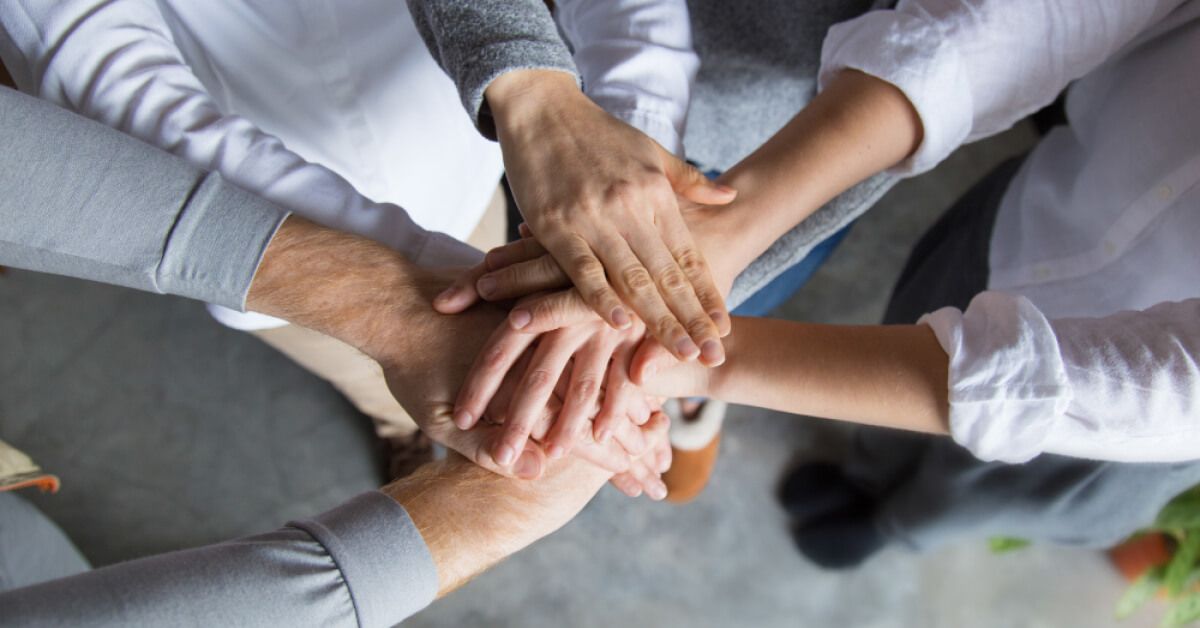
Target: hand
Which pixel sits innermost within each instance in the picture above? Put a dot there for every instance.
(426, 359)
(375, 300)
(585, 351)
(471, 519)
(601, 197)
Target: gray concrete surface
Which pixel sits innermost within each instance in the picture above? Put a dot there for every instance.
(169, 431)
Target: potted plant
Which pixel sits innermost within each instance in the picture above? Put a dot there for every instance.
(1164, 560)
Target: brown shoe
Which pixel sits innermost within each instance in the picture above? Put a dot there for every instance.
(694, 446)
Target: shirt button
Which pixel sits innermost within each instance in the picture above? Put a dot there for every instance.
(1165, 191)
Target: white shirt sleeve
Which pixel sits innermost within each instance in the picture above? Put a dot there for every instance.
(972, 68)
(1124, 387)
(636, 61)
(115, 61)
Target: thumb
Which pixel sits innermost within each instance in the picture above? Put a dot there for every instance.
(649, 359)
(692, 185)
(462, 294)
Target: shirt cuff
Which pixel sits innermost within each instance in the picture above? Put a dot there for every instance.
(217, 243)
(1008, 385)
(384, 561)
(440, 250)
(912, 53)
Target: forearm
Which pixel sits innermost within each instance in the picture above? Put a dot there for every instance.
(857, 127)
(892, 376)
(343, 286)
(472, 518)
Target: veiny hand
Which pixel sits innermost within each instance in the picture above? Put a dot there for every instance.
(602, 198)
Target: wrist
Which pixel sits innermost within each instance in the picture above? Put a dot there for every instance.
(517, 97)
(472, 519)
(341, 285)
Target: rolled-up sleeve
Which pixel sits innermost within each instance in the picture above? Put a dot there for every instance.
(361, 564)
(1123, 387)
(974, 68)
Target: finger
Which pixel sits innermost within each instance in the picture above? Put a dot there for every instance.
(553, 311)
(627, 483)
(675, 286)
(637, 286)
(579, 403)
(524, 230)
(691, 184)
(522, 279)
(648, 479)
(513, 253)
(678, 239)
(655, 432)
(649, 358)
(494, 361)
(534, 392)
(577, 259)
(629, 437)
(461, 294)
(476, 445)
(618, 392)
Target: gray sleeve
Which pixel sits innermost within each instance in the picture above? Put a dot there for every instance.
(363, 563)
(476, 41)
(80, 199)
(794, 245)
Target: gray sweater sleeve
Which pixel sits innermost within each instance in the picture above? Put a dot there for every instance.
(80, 199)
(475, 41)
(361, 564)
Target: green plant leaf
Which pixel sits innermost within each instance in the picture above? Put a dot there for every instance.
(1182, 564)
(1140, 592)
(1005, 544)
(1185, 611)
(1181, 512)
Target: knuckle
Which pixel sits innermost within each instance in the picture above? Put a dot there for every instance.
(540, 378)
(637, 279)
(698, 327)
(493, 359)
(690, 262)
(666, 325)
(673, 281)
(588, 267)
(586, 388)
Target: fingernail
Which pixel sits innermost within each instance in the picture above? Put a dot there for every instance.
(447, 294)
(505, 455)
(520, 319)
(686, 348)
(725, 188)
(486, 286)
(620, 317)
(555, 452)
(717, 317)
(712, 352)
(462, 419)
(527, 466)
(657, 491)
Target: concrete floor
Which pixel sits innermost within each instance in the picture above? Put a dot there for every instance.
(169, 431)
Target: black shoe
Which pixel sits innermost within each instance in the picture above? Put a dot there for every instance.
(842, 539)
(816, 489)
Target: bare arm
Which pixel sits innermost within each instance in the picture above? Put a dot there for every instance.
(892, 376)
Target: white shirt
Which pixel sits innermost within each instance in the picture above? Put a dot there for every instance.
(333, 109)
(1100, 221)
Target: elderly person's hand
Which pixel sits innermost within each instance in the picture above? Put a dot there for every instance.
(602, 198)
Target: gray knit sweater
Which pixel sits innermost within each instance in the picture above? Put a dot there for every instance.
(759, 62)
